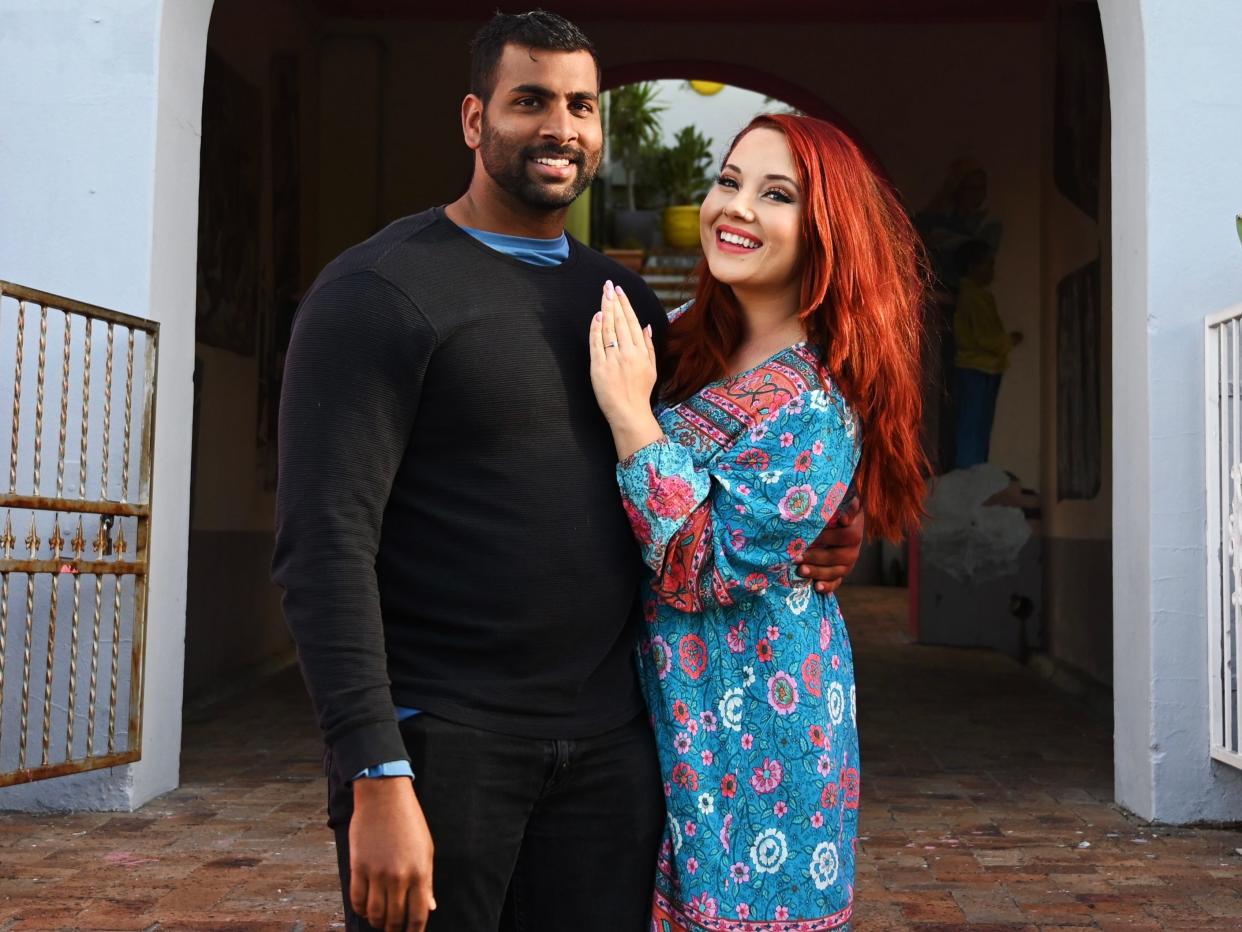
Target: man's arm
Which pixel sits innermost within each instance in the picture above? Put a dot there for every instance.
(353, 377)
(834, 552)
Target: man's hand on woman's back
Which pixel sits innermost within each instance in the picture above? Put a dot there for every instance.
(834, 552)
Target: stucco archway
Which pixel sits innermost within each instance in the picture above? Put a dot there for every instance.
(137, 253)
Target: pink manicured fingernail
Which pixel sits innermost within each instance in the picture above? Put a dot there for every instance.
(608, 289)
(599, 315)
(620, 290)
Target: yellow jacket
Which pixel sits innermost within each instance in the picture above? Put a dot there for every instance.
(982, 341)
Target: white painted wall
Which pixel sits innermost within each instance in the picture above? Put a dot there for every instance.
(1174, 74)
(98, 201)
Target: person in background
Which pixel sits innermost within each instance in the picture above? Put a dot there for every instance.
(956, 215)
(982, 356)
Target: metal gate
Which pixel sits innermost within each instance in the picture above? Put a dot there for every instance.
(1223, 363)
(74, 533)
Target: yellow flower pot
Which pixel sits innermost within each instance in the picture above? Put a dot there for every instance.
(681, 226)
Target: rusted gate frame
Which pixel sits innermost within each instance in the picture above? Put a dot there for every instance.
(80, 506)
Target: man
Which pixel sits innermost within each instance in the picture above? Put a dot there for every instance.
(450, 537)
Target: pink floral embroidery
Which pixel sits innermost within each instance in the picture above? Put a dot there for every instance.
(812, 674)
(670, 496)
(782, 693)
(705, 904)
(798, 503)
(661, 656)
(832, 500)
(767, 778)
(754, 459)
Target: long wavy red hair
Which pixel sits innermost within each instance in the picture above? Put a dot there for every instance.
(863, 279)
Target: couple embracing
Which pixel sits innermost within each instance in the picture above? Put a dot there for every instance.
(560, 568)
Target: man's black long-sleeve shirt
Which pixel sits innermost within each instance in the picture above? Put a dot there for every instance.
(449, 533)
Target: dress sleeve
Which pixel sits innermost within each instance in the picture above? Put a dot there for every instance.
(678, 311)
(715, 534)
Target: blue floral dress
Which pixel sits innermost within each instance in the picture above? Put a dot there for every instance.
(746, 669)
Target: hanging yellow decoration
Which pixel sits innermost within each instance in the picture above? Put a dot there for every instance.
(707, 88)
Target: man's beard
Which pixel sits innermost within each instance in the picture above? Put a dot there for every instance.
(508, 166)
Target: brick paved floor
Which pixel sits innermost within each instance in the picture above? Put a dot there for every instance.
(986, 806)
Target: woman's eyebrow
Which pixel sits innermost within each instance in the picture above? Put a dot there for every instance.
(734, 168)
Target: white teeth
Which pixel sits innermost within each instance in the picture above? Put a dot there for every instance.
(555, 163)
(738, 240)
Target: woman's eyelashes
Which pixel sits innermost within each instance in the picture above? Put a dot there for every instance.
(775, 194)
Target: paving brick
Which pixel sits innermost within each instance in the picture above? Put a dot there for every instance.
(987, 807)
(994, 906)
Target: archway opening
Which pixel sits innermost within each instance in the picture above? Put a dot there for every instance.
(345, 100)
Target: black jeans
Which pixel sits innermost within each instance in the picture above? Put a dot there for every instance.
(530, 835)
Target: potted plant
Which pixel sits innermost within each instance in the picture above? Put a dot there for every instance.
(685, 176)
(633, 137)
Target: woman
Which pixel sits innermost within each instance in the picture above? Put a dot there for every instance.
(804, 337)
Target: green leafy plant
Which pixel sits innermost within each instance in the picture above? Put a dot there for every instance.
(647, 193)
(684, 166)
(634, 130)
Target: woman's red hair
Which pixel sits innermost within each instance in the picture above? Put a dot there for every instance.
(863, 278)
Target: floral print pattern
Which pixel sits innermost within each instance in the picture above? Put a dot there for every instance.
(745, 668)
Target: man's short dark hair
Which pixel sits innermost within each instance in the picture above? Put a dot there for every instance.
(537, 29)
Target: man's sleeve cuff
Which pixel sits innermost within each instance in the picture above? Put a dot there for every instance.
(392, 768)
(366, 746)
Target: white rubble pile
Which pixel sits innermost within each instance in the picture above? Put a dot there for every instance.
(965, 538)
